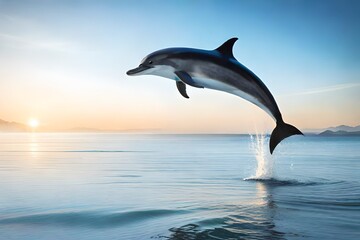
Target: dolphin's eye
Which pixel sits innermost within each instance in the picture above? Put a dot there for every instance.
(150, 62)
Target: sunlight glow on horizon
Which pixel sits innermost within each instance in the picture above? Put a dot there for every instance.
(33, 123)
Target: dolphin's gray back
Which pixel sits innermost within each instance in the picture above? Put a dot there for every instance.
(215, 71)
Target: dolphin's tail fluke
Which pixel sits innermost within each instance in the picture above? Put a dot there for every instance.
(282, 131)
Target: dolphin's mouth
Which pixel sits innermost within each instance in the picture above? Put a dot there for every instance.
(138, 70)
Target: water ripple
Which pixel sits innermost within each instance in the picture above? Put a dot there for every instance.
(90, 219)
(278, 182)
(234, 230)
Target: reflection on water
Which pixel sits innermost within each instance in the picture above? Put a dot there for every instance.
(33, 145)
(255, 221)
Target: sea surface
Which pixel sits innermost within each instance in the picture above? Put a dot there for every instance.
(133, 186)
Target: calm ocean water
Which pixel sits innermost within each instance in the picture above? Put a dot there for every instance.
(127, 186)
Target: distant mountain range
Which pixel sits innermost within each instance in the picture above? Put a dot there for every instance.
(12, 127)
(6, 126)
(334, 129)
(344, 128)
(341, 130)
(329, 133)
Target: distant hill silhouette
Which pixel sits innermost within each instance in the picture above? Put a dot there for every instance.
(339, 133)
(334, 129)
(344, 128)
(6, 126)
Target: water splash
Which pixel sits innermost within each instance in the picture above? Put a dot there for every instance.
(265, 161)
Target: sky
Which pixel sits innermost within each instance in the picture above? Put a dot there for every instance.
(64, 63)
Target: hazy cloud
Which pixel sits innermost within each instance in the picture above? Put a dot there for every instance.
(331, 88)
(43, 44)
(38, 38)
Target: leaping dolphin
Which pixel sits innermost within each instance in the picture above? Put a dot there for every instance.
(219, 70)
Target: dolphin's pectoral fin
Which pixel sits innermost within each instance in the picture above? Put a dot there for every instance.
(227, 48)
(182, 88)
(186, 78)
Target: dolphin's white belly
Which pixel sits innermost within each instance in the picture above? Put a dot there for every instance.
(220, 86)
(214, 84)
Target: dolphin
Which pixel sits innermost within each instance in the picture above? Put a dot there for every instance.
(219, 70)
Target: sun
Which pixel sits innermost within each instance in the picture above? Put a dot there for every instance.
(33, 123)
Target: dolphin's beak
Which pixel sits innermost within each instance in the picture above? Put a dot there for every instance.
(137, 70)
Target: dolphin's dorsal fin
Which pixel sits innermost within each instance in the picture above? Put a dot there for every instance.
(182, 89)
(227, 48)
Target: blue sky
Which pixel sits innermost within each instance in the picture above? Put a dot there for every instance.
(64, 62)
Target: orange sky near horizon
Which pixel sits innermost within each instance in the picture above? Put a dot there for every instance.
(206, 111)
